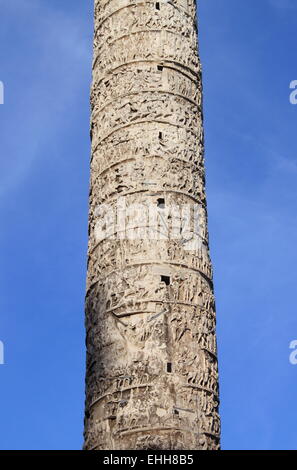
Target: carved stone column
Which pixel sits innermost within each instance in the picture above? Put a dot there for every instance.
(152, 380)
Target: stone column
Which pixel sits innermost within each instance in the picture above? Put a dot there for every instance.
(152, 380)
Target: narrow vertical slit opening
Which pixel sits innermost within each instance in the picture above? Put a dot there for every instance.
(166, 279)
(161, 203)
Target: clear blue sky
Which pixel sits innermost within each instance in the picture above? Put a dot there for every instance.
(248, 49)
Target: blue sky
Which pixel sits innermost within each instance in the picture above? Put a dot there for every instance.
(248, 54)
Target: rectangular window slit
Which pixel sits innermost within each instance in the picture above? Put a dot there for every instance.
(166, 279)
(169, 367)
(157, 6)
(161, 203)
(160, 67)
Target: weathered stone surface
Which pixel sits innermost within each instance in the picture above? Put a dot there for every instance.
(152, 378)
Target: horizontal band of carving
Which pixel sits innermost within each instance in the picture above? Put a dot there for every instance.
(160, 263)
(92, 286)
(165, 428)
(139, 31)
(141, 157)
(104, 5)
(96, 112)
(132, 137)
(158, 301)
(146, 111)
(156, 192)
(160, 60)
(146, 385)
(138, 227)
(192, 76)
(132, 5)
(118, 391)
(214, 436)
(139, 312)
(153, 429)
(113, 46)
(141, 121)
